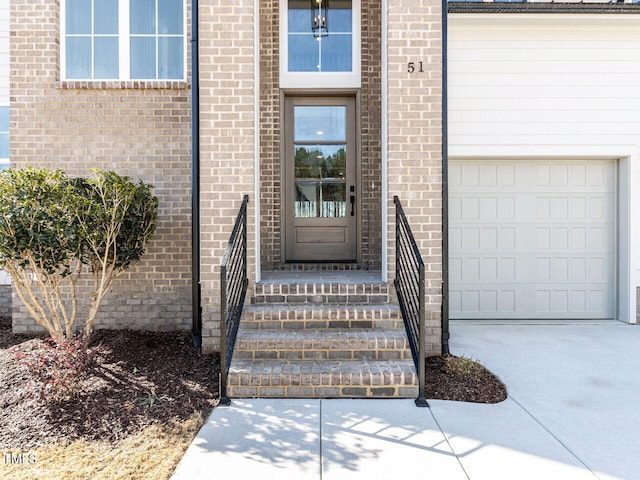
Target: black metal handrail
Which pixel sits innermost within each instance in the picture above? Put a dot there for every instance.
(233, 289)
(409, 283)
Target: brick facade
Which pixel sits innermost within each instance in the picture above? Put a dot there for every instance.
(227, 142)
(415, 139)
(140, 129)
(5, 300)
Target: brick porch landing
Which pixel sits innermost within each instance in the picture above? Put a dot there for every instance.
(322, 335)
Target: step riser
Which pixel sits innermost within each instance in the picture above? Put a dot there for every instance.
(323, 380)
(323, 392)
(382, 355)
(319, 299)
(321, 293)
(316, 318)
(322, 345)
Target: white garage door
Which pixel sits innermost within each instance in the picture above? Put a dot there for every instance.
(532, 239)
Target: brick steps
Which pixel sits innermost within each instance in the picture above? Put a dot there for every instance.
(323, 379)
(322, 336)
(327, 344)
(321, 293)
(284, 317)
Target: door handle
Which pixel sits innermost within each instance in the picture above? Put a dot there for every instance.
(352, 199)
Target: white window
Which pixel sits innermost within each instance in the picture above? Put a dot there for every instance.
(4, 137)
(123, 39)
(320, 43)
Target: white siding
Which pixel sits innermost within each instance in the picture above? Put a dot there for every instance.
(553, 86)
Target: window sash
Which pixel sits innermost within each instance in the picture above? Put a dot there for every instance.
(166, 67)
(321, 79)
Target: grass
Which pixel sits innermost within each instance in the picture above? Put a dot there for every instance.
(151, 454)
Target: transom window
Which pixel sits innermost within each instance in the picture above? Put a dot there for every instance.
(320, 43)
(123, 39)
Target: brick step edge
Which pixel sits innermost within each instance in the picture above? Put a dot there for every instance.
(324, 379)
(332, 344)
(292, 317)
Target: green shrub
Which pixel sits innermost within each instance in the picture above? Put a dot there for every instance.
(53, 227)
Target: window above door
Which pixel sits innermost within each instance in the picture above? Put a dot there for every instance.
(320, 43)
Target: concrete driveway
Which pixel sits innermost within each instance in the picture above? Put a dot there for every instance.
(580, 383)
(572, 413)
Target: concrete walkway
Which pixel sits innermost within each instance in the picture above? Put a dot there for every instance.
(572, 413)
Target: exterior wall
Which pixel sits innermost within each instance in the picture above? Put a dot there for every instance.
(141, 129)
(227, 141)
(370, 138)
(553, 86)
(5, 282)
(415, 140)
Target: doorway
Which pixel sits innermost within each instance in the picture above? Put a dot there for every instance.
(320, 201)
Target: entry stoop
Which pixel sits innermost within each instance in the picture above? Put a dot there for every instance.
(322, 335)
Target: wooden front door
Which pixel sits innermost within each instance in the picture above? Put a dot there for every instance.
(320, 165)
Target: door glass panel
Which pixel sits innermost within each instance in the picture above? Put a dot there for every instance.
(320, 161)
(320, 200)
(320, 124)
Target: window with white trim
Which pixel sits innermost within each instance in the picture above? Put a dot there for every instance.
(320, 43)
(123, 39)
(4, 137)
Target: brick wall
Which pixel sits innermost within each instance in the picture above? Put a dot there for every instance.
(226, 143)
(141, 129)
(415, 138)
(5, 300)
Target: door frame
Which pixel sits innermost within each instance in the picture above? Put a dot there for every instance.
(354, 94)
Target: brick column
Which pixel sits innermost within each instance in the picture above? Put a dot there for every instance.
(415, 138)
(227, 136)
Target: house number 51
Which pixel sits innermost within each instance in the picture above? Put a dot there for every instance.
(415, 67)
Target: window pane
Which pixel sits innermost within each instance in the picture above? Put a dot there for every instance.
(320, 124)
(143, 17)
(4, 145)
(326, 200)
(79, 57)
(335, 53)
(106, 57)
(170, 17)
(320, 161)
(303, 53)
(106, 16)
(299, 17)
(78, 16)
(143, 58)
(4, 119)
(339, 19)
(170, 57)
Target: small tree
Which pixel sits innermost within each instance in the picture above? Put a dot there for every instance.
(51, 226)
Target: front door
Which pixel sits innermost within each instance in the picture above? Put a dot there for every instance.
(320, 194)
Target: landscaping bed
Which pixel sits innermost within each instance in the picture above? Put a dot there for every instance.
(140, 403)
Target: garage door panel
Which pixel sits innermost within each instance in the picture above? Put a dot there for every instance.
(534, 239)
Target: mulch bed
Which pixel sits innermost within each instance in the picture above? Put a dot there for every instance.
(130, 368)
(479, 386)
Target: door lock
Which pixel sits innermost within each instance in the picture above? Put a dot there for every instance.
(352, 199)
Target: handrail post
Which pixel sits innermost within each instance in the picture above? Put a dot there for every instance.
(224, 399)
(421, 401)
(245, 201)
